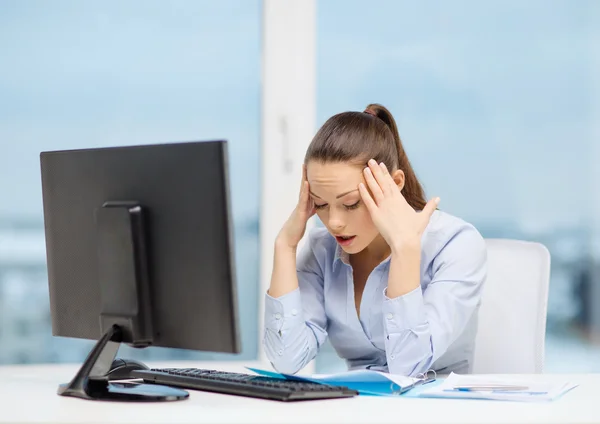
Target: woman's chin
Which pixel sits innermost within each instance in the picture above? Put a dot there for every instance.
(356, 246)
(352, 248)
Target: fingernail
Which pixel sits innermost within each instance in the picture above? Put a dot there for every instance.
(382, 165)
(372, 162)
(437, 200)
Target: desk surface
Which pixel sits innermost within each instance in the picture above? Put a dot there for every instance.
(28, 395)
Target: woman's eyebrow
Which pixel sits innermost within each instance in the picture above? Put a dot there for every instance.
(348, 192)
(338, 196)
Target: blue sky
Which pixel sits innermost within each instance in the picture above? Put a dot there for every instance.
(493, 99)
(86, 74)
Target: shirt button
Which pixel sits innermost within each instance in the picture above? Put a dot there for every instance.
(280, 352)
(277, 316)
(390, 316)
(294, 312)
(392, 357)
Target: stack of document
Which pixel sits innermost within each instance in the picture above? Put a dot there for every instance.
(366, 382)
(497, 388)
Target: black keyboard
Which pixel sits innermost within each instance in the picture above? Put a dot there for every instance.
(242, 384)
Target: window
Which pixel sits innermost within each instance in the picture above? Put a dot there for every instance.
(92, 74)
(494, 102)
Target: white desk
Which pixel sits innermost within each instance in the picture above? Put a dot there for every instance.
(28, 395)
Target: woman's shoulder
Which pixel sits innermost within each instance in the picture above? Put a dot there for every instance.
(452, 235)
(318, 246)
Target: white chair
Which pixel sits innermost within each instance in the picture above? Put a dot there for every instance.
(512, 319)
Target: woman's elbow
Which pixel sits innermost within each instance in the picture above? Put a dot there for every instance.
(288, 362)
(285, 367)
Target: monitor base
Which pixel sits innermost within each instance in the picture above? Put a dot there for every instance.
(91, 381)
(125, 392)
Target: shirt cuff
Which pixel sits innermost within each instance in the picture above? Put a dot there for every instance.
(284, 312)
(404, 312)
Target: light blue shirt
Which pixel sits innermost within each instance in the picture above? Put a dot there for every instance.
(431, 327)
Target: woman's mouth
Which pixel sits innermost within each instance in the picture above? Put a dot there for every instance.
(345, 240)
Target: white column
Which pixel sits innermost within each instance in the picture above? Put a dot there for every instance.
(288, 119)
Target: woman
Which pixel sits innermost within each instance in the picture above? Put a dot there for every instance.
(393, 282)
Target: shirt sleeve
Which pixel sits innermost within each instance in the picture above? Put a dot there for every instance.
(420, 325)
(295, 323)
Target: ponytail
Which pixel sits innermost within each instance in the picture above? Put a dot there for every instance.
(413, 191)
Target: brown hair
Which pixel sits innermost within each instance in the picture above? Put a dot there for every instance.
(356, 137)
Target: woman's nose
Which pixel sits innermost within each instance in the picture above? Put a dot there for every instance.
(335, 222)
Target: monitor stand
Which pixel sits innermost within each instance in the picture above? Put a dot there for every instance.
(126, 313)
(91, 381)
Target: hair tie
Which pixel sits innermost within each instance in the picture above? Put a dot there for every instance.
(371, 112)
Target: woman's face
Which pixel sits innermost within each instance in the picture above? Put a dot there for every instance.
(334, 190)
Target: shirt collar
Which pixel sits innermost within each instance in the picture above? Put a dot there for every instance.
(340, 256)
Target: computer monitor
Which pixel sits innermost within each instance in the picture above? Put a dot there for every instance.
(139, 243)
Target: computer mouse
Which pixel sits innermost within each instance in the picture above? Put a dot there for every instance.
(121, 368)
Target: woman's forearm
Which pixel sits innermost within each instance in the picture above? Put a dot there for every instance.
(289, 342)
(283, 278)
(405, 270)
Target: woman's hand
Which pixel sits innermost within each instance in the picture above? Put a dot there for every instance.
(293, 230)
(398, 223)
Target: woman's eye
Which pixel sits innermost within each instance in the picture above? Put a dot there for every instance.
(320, 206)
(353, 206)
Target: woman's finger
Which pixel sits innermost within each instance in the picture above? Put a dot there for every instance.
(310, 203)
(379, 177)
(303, 178)
(430, 208)
(388, 180)
(373, 185)
(367, 199)
(304, 194)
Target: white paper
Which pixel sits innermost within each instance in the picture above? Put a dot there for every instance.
(535, 391)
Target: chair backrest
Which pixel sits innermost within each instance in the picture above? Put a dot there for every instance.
(512, 319)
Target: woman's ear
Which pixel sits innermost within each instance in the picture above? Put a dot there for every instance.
(399, 179)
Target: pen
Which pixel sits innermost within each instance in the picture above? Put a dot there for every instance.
(490, 388)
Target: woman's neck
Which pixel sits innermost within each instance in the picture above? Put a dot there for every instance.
(374, 253)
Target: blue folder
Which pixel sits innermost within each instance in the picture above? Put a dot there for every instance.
(365, 382)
